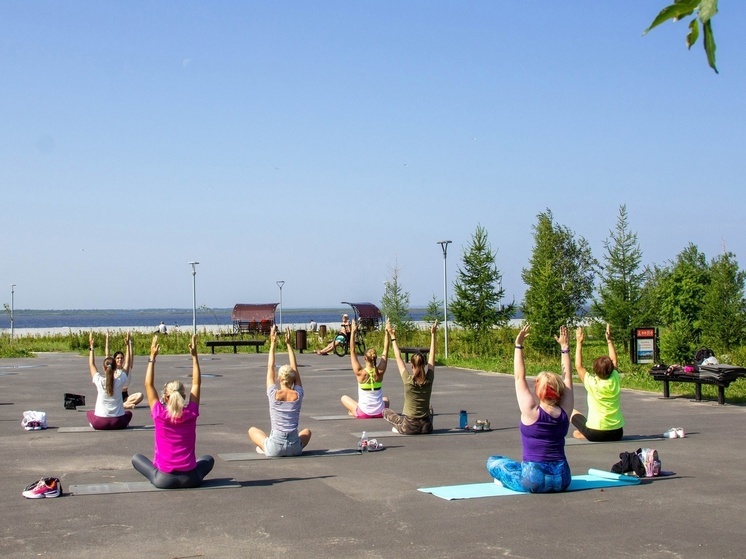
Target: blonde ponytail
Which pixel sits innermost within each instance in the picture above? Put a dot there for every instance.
(175, 395)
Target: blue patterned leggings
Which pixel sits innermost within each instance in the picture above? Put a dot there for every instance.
(530, 477)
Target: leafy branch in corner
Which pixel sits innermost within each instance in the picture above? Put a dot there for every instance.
(706, 10)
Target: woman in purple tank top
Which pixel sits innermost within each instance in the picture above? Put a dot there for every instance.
(543, 426)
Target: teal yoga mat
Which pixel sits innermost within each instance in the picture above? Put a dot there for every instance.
(595, 479)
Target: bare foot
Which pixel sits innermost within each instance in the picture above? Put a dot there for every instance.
(578, 435)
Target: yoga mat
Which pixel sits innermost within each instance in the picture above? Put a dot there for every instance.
(335, 417)
(143, 486)
(89, 429)
(625, 439)
(595, 479)
(241, 456)
(390, 433)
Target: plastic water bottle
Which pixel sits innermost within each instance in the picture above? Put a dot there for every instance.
(363, 444)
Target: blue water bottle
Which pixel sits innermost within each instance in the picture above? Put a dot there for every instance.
(463, 419)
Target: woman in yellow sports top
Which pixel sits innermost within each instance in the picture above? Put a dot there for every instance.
(370, 399)
(605, 421)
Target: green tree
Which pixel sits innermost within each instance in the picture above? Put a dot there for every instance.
(620, 289)
(395, 304)
(706, 10)
(478, 290)
(723, 315)
(681, 288)
(677, 344)
(434, 310)
(559, 280)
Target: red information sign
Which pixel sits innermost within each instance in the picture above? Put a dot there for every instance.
(645, 333)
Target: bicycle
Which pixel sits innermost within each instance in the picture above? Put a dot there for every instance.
(342, 345)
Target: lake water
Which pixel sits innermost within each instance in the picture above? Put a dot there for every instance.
(151, 318)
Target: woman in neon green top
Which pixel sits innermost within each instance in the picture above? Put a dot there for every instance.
(370, 399)
(605, 421)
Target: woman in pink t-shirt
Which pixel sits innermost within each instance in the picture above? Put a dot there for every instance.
(174, 465)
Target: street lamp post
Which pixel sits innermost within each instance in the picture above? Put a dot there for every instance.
(444, 246)
(280, 284)
(12, 296)
(193, 264)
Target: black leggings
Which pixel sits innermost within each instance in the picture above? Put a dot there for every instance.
(173, 480)
(578, 421)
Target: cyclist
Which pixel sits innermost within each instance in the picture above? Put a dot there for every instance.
(342, 337)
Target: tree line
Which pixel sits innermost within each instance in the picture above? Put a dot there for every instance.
(694, 301)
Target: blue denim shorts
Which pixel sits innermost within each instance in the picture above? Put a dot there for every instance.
(283, 444)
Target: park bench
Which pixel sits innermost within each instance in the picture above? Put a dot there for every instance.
(212, 344)
(716, 375)
(412, 350)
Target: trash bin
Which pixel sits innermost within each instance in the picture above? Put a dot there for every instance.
(300, 340)
(322, 331)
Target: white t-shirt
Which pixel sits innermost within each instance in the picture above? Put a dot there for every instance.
(109, 406)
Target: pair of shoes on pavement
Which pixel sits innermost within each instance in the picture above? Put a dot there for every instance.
(46, 487)
(374, 445)
(674, 433)
(482, 425)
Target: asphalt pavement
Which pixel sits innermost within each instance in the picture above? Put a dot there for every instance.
(357, 505)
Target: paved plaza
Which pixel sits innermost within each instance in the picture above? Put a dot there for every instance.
(357, 505)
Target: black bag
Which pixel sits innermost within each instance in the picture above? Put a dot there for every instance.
(702, 354)
(73, 400)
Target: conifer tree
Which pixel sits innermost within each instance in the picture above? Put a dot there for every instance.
(478, 291)
(620, 289)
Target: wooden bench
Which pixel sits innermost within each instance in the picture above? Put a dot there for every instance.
(212, 344)
(697, 381)
(407, 350)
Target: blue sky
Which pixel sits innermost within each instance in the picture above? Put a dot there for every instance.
(325, 143)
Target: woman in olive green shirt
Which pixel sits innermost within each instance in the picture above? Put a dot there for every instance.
(417, 416)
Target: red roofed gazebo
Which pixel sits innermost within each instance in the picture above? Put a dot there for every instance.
(253, 318)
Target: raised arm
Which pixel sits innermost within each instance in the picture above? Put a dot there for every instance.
(91, 359)
(291, 358)
(433, 332)
(568, 399)
(196, 373)
(150, 390)
(271, 358)
(564, 342)
(128, 353)
(526, 402)
(579, 338)
(384, 361)
(106, 345)
(612, 349)
(357, 368)
(397, 352)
